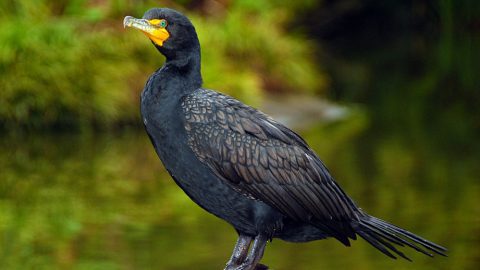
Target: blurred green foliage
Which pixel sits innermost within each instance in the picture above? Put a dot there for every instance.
(70, 64)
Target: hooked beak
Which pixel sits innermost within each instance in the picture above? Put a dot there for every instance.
(156, 33)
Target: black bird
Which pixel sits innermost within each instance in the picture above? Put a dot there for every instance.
(241, 165)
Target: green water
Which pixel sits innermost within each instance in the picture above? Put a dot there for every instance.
(105, 202)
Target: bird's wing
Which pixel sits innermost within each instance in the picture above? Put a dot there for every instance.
(265, 160)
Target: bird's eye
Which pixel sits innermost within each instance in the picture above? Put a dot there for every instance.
(162, 23)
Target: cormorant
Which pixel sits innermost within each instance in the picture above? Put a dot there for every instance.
(240, 164)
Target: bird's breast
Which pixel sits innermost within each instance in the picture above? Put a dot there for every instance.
(165, 124)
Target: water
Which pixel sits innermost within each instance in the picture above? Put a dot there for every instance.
(105, 202)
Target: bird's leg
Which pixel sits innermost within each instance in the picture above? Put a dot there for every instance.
(239, 252)
(255, 255)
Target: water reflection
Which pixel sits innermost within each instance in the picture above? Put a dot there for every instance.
(105, 202)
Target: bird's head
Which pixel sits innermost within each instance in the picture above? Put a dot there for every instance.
(169, 30)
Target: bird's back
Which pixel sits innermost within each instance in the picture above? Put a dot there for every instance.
(264, 160)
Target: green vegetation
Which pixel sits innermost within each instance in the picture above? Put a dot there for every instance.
(70, 64)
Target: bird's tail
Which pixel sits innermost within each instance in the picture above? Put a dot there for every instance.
(384, 236)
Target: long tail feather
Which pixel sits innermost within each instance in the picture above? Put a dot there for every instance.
(382, 235)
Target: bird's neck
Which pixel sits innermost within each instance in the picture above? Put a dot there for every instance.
(185, 66)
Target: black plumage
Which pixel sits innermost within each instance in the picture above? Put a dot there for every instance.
(240, 164)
